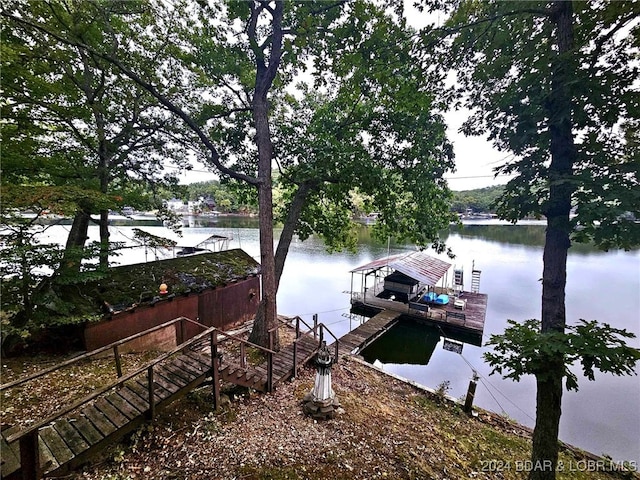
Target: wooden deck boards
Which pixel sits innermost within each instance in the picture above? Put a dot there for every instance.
(469, 320)
(368, 331)
(68, 440)
(474, 312)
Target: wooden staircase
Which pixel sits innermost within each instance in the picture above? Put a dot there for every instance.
(237, 370)
(64, 441)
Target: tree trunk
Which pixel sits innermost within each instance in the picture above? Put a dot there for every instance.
(293, 215)
(104, 239)
(76, 240)
(544, 453)
(289, 227)
(267, 320)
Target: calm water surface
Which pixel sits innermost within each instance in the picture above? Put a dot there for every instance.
(602, 417)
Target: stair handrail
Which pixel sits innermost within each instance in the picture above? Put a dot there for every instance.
(242, 340)
(69, 408)
(269, 351)
(313, 329)
(323, 327)
(112, 346)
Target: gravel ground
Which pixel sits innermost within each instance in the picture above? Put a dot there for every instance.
(388, 429)
(385, 428)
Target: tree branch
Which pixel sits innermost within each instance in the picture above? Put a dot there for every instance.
(533, 11)
(149, 87)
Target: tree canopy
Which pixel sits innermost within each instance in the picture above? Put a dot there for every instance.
(240, 61)
(78, 139)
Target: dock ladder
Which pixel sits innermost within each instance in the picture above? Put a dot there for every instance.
(475, 279)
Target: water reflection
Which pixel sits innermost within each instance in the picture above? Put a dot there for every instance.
(602, 417)
(406, 342)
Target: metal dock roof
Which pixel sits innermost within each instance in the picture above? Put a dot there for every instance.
(417, 265)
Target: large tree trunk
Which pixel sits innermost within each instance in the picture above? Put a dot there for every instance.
(289, 227)
(544, 453)
(286, 236)
(265, 331)
(104, 239)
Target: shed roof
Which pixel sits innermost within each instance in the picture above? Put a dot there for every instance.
(136, 284)
(418, 265)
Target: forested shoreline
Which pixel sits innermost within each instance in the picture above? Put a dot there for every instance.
(479, 200)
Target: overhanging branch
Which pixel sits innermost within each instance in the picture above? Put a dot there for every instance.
(149, 87)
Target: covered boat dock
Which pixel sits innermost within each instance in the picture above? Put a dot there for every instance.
(424, 288)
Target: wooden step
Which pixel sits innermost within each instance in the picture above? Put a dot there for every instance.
(71, 439)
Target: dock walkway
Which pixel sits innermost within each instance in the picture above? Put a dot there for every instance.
(68, 439)
(358, 338)
(468, 320)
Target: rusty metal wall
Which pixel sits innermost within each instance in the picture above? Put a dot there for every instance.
(231, 305)
(222, 307)
(128, 323)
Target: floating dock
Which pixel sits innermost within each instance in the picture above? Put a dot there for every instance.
(467, 321)
(414, 285)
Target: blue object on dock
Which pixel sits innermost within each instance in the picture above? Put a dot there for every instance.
(430, 297)
(442, 299)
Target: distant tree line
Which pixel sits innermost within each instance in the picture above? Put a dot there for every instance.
(479, 200)
(229, 200)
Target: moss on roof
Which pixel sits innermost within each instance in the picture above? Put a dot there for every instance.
(137, 284)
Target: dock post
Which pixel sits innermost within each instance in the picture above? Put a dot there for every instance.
(471, 393)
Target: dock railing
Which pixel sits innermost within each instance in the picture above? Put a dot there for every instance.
(318, 330)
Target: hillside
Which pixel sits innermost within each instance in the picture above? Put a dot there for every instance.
(480, 200)
(389, 429)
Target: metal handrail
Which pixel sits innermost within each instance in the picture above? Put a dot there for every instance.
(106, 388)
(111, 346)
(323, 327)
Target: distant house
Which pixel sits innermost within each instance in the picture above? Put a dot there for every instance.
(202, 205)
(217, 289)
(176, 205)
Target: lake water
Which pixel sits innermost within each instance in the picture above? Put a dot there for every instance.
(602, 417)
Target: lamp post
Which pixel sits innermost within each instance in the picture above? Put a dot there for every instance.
(321, 402)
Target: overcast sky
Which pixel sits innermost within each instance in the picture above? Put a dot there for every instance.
(475, 158)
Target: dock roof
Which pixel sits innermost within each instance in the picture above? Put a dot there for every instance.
(417, 265)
